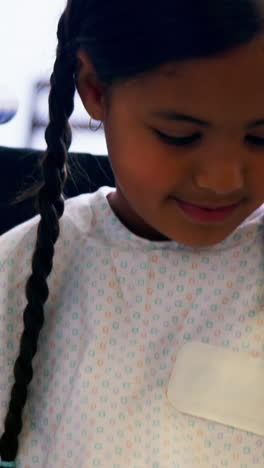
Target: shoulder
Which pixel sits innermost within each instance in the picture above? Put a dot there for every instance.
(79, 217)
(83, 212)
(73, 249)
(16, 246)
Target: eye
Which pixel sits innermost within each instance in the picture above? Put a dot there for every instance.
(178, 141)
(255, 140)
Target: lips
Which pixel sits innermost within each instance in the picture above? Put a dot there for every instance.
(207, 214)
(210, 207)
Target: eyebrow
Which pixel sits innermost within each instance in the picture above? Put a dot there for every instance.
(178, 117)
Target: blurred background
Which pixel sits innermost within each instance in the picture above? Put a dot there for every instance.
(27, 49)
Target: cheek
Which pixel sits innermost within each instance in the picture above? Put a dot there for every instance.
(255, 177)
(145, 171)
(141, 161)
(144, 164)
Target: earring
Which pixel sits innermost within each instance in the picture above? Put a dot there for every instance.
(93, 129)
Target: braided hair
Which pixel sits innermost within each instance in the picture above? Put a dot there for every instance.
(121, 39)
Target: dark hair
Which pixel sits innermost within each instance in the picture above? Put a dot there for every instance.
(123, 39)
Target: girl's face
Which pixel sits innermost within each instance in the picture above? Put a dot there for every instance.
(221, 162)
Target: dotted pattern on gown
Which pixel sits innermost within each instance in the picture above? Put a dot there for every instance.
(120, 308)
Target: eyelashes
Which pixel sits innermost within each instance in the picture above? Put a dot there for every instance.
(178, 141)
(255, 140)
(189, 140)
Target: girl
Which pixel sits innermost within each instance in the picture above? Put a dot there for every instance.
(151, 353)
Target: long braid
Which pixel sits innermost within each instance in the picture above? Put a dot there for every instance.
(51, 207)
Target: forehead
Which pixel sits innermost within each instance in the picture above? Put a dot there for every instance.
(248, 57)
(234, 79)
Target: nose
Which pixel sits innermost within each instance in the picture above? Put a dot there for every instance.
(222, 177)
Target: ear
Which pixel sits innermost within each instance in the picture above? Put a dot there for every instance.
(89, 88)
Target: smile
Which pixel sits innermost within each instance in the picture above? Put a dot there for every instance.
(206, 214)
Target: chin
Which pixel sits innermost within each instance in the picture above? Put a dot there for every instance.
(195, 239)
